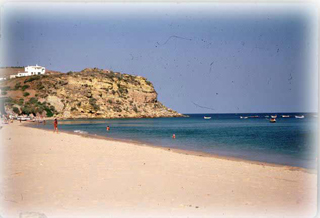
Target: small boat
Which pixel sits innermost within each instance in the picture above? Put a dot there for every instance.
(299, 117)
(24, 118)
(274, 116)
(266, 116)
(272, 120)
(285, 116)
(206, 118)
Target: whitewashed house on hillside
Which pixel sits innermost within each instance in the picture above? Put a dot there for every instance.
(33, 70)
(30, 71)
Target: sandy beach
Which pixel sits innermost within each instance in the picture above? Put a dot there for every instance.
(67, 175)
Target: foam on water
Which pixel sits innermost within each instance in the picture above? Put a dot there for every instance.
(80, 131)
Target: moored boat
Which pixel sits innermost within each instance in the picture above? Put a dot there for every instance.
(299, 117)
(272, 120)
(274, 116)
(206, 118)
(285, 116)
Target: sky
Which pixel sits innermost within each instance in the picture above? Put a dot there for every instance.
(200, 57)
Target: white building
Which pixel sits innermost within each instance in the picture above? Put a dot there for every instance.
(33, 70)
(30, 71)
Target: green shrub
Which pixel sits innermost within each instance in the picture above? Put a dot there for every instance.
(96, 107)
(135, 109)
(17, 86)
(49, 112)
(25, 94)
(4, 92)
(117, 109)
(27, 109)
(93, 102)
(148, 83)
(21, 101)
(25, 87)
(40, 86)
(33, 100)
(16, 110)
(32, 78)
(52, 108)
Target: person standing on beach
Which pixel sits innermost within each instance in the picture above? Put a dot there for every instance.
(55, 125)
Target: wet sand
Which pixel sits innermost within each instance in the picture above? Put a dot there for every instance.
(67, 175)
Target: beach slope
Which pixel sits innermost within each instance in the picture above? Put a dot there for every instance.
(66, 175)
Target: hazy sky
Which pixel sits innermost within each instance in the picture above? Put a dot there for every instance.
(201, 58)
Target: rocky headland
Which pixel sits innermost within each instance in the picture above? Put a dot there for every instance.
(90, 93)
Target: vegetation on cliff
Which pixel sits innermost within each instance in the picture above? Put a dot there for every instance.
(91, 93)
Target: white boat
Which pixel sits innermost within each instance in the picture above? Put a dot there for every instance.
(206, 118)
(266, 116)
(24, 118)
(274, 116)
(285, 116)
(299, 117)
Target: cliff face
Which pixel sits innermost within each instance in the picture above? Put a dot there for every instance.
(91, 93)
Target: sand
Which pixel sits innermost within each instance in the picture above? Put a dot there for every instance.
(67, 175)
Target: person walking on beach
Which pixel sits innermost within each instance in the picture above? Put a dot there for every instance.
(55, 125)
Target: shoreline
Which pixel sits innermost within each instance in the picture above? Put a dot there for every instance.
(70, 175)
(182, 151)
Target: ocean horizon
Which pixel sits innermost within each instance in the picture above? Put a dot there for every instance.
(250, 136)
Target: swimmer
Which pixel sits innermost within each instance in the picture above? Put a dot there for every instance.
(174, 136)
(108, 128)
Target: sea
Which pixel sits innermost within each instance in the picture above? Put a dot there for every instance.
(289, 141)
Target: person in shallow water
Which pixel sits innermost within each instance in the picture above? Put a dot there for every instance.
(108, 128)
(174, 136)
(55, 125)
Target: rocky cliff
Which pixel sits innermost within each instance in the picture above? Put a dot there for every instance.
(91, 93)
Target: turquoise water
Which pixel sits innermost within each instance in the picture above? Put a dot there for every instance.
(289, 141)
